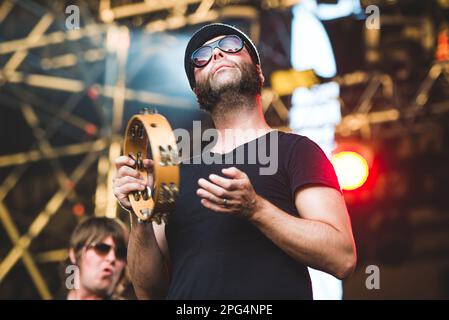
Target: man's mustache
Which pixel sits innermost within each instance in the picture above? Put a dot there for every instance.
(227, 62)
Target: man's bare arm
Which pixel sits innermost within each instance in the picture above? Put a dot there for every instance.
(147, 248)
(321, 237)
(148, 267)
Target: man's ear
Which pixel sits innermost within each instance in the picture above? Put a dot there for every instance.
(72, 256)
(259, 71)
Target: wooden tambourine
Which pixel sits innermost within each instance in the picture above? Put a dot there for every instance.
(149, 135)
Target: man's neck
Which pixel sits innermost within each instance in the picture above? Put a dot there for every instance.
(249, 120)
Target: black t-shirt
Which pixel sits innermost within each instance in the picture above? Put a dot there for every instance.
(219, 256)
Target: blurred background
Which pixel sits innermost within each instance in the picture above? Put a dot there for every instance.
(367, 80)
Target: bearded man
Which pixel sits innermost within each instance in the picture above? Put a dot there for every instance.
(237, 233)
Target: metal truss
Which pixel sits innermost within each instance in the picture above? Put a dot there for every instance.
(101, 150)
(437, 70)
(180, 13)
(43, 151)
(362, 116)
(105, 141)
(365, 114)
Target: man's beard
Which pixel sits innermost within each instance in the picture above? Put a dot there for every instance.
(232, 95)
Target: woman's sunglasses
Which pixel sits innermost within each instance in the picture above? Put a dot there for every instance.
(102, 249)
(229, 44)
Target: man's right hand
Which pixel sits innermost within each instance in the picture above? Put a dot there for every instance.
(128, 179)
(147, 246)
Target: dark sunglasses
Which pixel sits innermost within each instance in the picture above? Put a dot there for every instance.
(102, 249)
(229, 44)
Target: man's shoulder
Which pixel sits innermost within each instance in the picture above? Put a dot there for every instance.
(293, 146)
(288, 140)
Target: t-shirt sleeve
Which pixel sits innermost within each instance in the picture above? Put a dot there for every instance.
(308, 164)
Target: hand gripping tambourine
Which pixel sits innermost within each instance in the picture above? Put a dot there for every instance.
(149, 135)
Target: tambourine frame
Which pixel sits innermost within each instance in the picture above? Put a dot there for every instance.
(146, 134)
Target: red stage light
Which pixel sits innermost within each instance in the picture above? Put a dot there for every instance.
(90, 129)
(78, 209)
(351, 169)
(93, 92)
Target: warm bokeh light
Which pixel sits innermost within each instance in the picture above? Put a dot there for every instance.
(78, 209)
(351, 169)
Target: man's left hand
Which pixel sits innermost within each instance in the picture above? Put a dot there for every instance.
(232, 195)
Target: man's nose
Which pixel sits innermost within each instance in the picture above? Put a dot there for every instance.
(217, 54)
